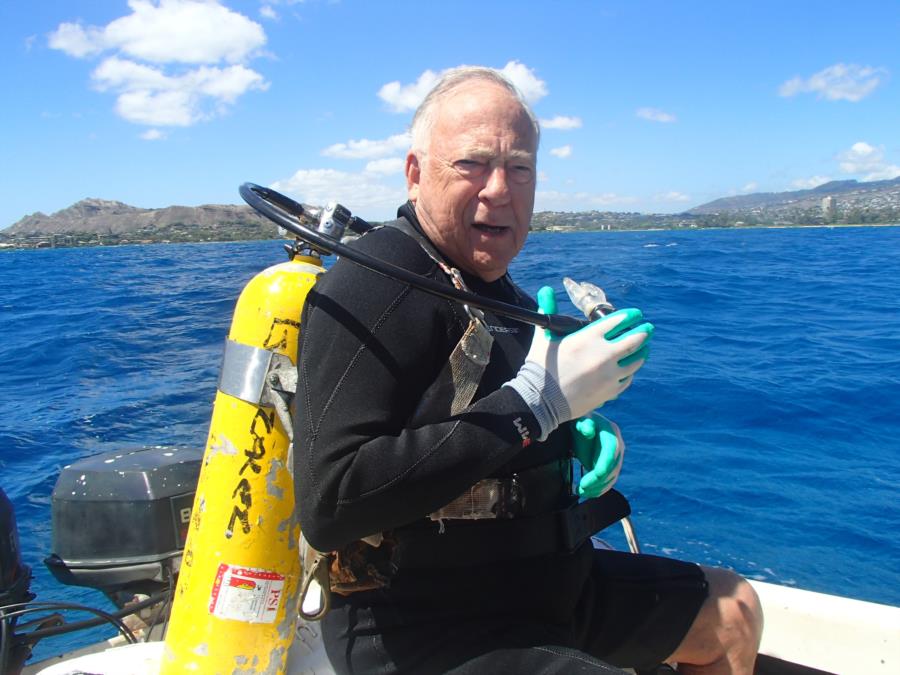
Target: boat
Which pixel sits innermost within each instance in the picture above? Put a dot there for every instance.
(806, 633)
(120, 524)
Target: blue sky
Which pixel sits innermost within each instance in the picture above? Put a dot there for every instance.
(645, 106)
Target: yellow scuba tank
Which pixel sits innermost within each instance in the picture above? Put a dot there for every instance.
(235, 607)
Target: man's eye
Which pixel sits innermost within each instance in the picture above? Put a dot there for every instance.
(521, 173)
(470, 167)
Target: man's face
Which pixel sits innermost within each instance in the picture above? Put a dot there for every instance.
(474, 187)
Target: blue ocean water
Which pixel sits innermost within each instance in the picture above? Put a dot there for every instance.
(763, 434)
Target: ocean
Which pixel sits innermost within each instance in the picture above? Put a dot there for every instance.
(762, 435)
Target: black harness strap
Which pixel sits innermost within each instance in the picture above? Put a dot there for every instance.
(407, 228)
(493, 541)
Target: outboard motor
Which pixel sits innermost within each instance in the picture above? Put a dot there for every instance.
(15, 578)
(120, 520)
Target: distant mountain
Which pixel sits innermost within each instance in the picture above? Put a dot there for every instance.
(103, 217)
(836, 202)
(849, 198)
(99, 221)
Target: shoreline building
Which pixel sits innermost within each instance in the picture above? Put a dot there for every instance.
(828, 209)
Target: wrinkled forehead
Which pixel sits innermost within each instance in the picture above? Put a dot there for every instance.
(479, 116)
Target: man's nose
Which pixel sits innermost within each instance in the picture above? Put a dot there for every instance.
(496, 187)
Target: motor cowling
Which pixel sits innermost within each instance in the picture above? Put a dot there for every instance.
(120, 520)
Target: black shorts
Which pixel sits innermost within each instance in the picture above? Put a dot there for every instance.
(636, 609)
(631, 611)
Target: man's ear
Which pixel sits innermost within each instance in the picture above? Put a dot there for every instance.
(412, 176)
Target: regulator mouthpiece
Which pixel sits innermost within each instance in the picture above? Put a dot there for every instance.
(589, 298)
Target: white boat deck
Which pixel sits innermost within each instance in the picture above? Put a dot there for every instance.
(821, 633)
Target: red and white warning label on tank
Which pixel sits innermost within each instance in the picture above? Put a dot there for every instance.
(246, 594)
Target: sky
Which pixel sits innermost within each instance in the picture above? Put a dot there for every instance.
(650, 106)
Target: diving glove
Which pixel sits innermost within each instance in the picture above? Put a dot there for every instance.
(563, 379)
(598, 445)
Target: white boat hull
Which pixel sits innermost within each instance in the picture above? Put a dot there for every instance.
(820, 633)
(828, 632)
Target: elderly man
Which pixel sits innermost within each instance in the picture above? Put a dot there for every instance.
(439, 477)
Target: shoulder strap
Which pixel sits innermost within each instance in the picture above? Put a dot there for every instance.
(473, 351)
(406, 228)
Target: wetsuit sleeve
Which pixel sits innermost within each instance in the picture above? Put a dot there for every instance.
(370, 347)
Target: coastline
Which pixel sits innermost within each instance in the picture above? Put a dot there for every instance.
(567, 230)
(45, 245)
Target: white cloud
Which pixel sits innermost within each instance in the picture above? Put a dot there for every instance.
(810, 183)
(406, 97)
(183, 31)
(861, 157)
(75, 41)
(654, 115)
(194, 35)
(163, 108)
(403, 98)
(887, 172)
(868, 161)
(532, 87)
(847, 82)
(551, 200)
(153, 135)
(147, 95)
(359, 192)
(752, 186)
(268, 12)
(562, 152)
(366, 149)
(116, 73)
(386, 167)
(225, 84)
(672, 196)
(561, 122)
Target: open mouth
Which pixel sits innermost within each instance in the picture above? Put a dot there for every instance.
(489, 229)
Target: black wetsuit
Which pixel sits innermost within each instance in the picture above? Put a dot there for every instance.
(378, 450)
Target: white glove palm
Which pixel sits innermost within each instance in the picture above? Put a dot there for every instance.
(563, 379)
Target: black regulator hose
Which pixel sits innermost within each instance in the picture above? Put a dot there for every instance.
(290, 215)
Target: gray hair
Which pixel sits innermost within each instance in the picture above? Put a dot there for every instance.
(423, 120)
